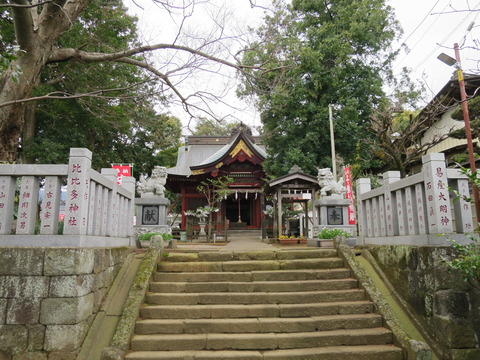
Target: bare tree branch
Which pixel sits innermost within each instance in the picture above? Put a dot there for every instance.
(401, 148)
(60, 95)
(84, 56)
(25, 5)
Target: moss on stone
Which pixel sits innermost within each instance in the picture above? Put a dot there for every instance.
(386, 305)
(126, 325)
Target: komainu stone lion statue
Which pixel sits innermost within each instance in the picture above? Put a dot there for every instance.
(155, 184)
(328, 186)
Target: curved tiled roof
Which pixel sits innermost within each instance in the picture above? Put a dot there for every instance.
(201, 155)
(224, 151)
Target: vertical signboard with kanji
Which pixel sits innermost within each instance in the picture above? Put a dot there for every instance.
(122, 170)
(78, 192)
(463, 207)
(352, 220)
(437, 193)
(27, 205)
(50, 205)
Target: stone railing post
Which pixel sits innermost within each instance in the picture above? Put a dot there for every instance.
(7, 196)
(391, 216)
(128, 183)
(78, 192)
(438, 198)
(462, 208)
(363, 185)
(113, 203)
(27, 205)
(50, 205)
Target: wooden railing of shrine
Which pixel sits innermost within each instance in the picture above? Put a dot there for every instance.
(94, 210)
(417, 210)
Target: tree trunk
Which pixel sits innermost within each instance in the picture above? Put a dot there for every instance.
(29, 130)
(36, 33)
(210, 224)
(12, 117)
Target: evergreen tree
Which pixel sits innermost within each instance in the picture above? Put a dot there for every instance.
(320, 53)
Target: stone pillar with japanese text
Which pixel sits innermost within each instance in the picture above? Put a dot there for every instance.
(7, 195)
(463, 208)
(78, 190)
(50, 205)
(437, 194)
(27, 205)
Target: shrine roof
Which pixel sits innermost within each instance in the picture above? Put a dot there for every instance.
(297, 177)
(202, 151)
(225, 149)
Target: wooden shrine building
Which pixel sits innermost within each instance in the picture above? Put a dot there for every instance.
(294, 187)
(239, 156)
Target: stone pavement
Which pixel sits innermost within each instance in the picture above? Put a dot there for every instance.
(238, 241)
(247, 243)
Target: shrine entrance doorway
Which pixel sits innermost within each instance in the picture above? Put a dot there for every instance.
(243, 212)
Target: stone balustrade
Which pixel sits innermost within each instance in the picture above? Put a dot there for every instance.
(416, 210)
(97, 211)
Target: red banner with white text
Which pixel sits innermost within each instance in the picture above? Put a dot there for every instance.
(122, 170)
(352, 219)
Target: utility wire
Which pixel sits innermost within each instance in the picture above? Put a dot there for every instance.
(423, 20)
(435, 50)
(422, 36)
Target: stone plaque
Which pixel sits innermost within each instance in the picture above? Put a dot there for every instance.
(334, 215)
(150, 215)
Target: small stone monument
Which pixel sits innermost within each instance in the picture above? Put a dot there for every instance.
(151, 207)
(332, 207)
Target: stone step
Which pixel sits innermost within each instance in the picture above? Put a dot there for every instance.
(210, 256)
(278, 275)
(257, 325)
(255, 298)
(253, 286)
(362, 352)
(261, 341)
(250, 265)
(296, 304)
(255, 310)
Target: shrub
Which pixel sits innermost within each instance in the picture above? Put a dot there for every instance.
(466, 261)
(146, 236)
(330, 233)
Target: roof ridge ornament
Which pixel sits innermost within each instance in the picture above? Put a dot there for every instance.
(294, 169)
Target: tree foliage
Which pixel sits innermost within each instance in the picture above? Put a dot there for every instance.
(55, 36)
(120, 128)
(320, 53)
(209, 127)
(474, 115)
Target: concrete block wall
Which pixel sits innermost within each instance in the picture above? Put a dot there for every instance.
(49, 296)
(447, 306)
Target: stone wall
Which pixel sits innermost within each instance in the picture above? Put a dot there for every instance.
(49, 296)
(447, 306)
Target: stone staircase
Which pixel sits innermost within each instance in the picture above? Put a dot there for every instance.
(295, 304)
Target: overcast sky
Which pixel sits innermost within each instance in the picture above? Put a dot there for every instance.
(430, 27)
